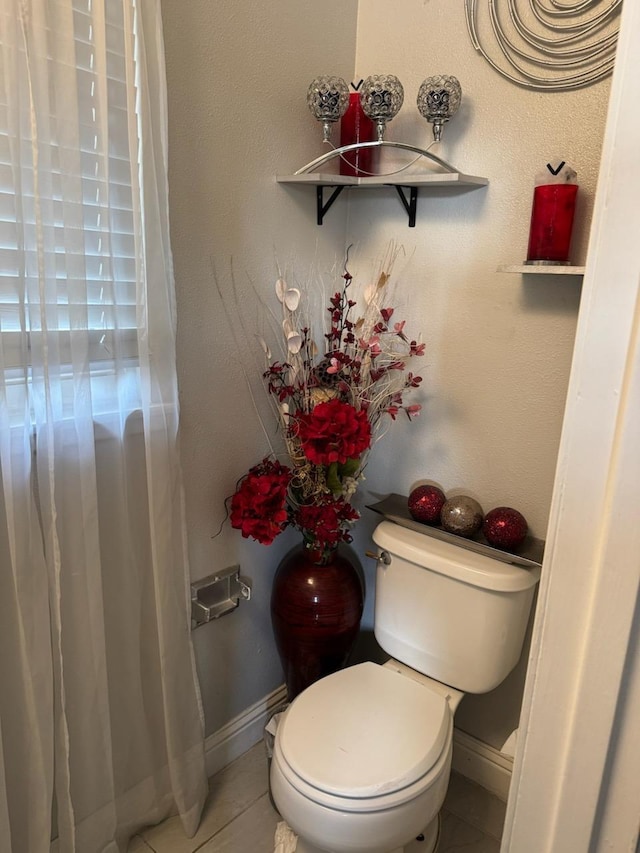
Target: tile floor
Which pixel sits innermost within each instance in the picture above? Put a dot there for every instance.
(238, 817)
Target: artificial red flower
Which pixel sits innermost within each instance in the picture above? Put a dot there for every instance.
(333, 432)
(259, 506)
(323, 521)
(373, 345)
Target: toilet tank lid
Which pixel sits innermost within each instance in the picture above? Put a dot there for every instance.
(455, 561)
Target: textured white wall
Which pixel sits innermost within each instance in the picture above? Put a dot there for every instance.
(237, 79)
(498, 347)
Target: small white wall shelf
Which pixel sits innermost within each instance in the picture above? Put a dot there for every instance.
(336, 183)
(544, 269)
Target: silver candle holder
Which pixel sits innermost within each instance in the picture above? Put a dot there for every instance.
(328, 99)
(438, 100)
(381, 97)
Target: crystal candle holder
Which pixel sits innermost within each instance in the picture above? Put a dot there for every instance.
(328, 99)
(438, 100)
(381, 97)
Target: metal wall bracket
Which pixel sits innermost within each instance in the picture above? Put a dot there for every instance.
(216, 595)
(321, 206)
(410, 204)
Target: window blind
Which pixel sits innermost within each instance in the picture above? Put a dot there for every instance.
(67, 193)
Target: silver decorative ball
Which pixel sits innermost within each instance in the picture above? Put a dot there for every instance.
(462, 515)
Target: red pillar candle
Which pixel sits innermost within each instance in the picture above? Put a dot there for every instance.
(552, 223)
(355, 126)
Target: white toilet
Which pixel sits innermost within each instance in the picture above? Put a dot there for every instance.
(362, 758)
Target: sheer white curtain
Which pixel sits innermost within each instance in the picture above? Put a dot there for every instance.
(100, 716)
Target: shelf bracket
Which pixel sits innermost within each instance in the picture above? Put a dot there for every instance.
(410, 204)
(321, 206)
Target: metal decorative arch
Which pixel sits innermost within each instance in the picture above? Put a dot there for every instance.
(546, 45)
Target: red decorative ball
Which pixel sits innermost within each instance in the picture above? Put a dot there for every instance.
(505, 528)
(425, 504)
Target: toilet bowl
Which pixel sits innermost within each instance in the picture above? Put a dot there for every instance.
(362, 759)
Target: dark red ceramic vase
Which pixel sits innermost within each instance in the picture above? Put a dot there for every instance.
(316, 607)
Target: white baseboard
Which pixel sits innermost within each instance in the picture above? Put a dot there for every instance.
(483, 764)
(241, 733)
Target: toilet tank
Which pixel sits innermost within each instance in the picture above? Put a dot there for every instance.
(455, 615)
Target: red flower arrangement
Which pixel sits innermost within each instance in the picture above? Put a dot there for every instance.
(330, 409)
(259, 506)
(333, 432)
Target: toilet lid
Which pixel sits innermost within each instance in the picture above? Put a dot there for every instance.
(365, 731)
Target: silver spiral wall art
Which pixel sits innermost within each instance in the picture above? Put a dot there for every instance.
(545, 44)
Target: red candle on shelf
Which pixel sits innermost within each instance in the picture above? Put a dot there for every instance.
(355, 126)
(554, 203)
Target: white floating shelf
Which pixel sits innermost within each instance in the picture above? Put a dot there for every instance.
(432, 180)
(543, 269)
(401, 182)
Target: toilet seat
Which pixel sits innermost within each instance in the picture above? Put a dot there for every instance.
(364, 738)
